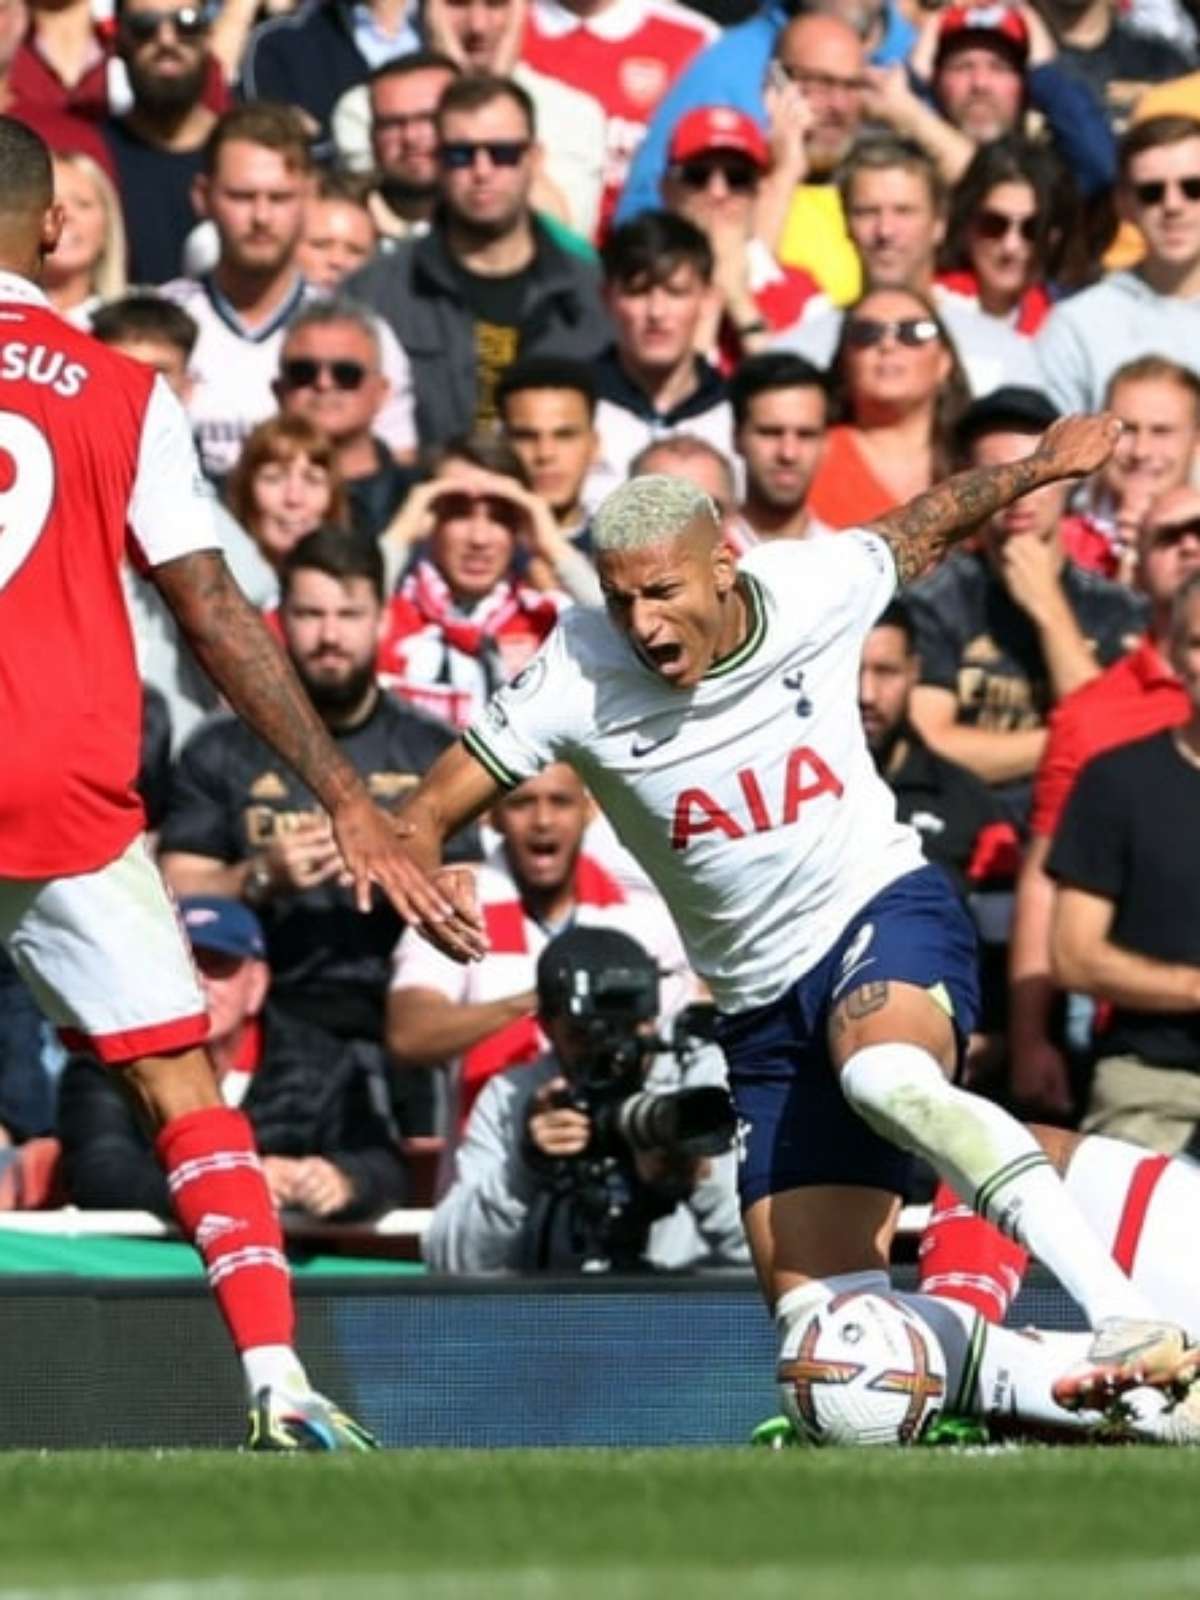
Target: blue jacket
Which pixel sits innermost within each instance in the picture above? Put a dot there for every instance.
(731, 72)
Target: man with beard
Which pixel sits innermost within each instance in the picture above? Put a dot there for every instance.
(780, 413)
(254, 187)
(486, 283)
(403, 98)
(241, 826)
(158, 146)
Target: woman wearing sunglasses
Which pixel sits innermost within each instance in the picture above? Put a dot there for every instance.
(897, 389)
(1015, 238)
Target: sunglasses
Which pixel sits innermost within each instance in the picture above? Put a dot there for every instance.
(863, 332)
(1175, 533)
(302, 372)
(739, 178)
(458, 154)
(998, 225)
(1154, 191)
(190, 22)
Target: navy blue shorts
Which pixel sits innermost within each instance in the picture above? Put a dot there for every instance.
(795, 1128)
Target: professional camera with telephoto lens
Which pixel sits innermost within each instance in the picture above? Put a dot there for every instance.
(598, 992)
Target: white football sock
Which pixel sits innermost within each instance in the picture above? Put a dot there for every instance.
(986, 1154)
(274, 1366)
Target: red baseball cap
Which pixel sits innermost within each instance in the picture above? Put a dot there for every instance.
(998, 26)
(710, 128)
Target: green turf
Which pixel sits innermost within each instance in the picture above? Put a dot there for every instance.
(731, 1525)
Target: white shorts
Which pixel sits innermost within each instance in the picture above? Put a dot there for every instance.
(107, 958)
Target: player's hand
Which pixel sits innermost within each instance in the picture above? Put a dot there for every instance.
(1073, 447)
(373, 854)
(557, 1130)
(1039, 1078)
(320, 1188)
(303, 856)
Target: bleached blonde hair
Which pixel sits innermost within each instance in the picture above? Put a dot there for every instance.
(651, 510)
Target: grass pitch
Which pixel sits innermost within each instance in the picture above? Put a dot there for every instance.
(730, 1525)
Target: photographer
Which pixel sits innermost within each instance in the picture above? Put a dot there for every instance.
(602, 1154)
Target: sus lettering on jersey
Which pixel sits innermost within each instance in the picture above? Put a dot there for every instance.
(805, 777)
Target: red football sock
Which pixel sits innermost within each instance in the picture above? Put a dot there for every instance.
(225, 1208)
(962, 1257)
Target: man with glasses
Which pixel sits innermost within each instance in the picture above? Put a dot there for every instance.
(330, 372)
(718, 160)
(158, 147)
(1153, 308)
(254, 186)
(402, 98)
(487, 283)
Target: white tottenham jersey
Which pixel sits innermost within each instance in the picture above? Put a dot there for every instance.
(751, 800)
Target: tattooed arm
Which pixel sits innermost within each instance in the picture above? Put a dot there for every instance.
(234, 646)
(921, 531)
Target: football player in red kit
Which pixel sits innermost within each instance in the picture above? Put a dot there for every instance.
(97, 465)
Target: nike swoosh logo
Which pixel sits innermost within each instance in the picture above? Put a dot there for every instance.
(643, 747)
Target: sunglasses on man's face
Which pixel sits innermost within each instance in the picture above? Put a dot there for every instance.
(302, 373)
(863, 332)
(990, 224)
(740, 177)
(190, 22)
(1154, 191)
(1175, 533)
(456, 155)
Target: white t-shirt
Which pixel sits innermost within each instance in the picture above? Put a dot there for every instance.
(233, 370)
(751, 800)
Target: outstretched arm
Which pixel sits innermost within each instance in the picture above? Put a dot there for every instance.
(923, 530)
(235, 648)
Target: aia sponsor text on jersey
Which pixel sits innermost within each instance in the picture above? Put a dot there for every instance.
(806, 776)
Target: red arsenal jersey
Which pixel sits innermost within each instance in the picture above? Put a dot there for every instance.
(96, 464)
(626, 57)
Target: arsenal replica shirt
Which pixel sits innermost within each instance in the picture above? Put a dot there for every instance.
(750, 800)
(96, 465)
(626, 56)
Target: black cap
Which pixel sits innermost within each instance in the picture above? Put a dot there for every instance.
(1009, 409)
(570, 966)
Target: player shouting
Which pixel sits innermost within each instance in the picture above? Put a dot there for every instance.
(96, 461)
(712, 713)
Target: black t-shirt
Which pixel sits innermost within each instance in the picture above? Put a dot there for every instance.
(1130, 835)
(375, 499)
(496, 305)
(230, 793)
(977, 642)
(156, 202)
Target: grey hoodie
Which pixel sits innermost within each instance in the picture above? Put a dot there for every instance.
(1086, 338)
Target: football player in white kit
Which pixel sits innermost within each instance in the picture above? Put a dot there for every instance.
(711, 710)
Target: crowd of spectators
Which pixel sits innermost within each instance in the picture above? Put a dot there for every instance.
(432, 279)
